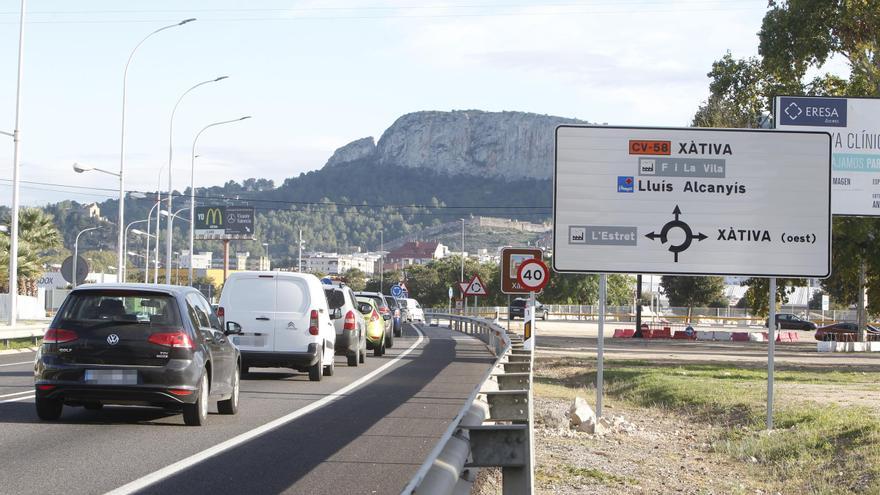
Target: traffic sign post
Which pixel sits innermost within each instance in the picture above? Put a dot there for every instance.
(396, 291)
(532, 275)
(511, 259)
(685, 201)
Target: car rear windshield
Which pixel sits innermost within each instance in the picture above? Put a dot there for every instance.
(518, 303)
(335, 298)
(89, 309)
(380, 302)
(392, 303)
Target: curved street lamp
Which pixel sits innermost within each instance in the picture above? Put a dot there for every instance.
(76, 253)
(120, 222)
(170, 155)
(192, 188)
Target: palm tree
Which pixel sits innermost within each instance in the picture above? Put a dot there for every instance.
(37, 234)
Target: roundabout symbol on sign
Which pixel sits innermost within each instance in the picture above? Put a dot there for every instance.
(689, 235)
(533, 275)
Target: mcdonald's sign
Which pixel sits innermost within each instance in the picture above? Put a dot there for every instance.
(224, 222)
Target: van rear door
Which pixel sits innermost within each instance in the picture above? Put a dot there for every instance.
(251, 304)
(293, 307)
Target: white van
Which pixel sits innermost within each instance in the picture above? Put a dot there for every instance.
(413, 308)
(285, 321)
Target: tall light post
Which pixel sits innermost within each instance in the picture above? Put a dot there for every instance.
(170, 156)
(121, 223)
(192, 189)
(158, 229)
(16, 156)
(171, 217)
(76, 253)
(151, 236)
(125, 245)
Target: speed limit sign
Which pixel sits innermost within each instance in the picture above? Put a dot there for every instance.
(533, 275)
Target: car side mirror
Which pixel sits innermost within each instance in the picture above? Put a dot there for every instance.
(336, 314)
(365, 308)
(232, 328)
(386, 316)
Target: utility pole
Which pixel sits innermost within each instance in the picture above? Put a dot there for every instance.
(16, 180)
(299, 263)
(381, 261)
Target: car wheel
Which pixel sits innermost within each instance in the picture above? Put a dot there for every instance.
(389, 340)
(197, 414)
(377, 348)
(49, 409)
(353, 359)
(362, 354)
(315, 370)
(399, 331)
(330, 369)
(93, 406)
(544, 316)
(230, 405)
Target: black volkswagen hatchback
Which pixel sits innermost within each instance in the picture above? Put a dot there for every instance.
(136, 344)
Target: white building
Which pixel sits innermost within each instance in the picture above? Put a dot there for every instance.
(337, 264)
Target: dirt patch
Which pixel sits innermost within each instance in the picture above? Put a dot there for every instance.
(664, 453)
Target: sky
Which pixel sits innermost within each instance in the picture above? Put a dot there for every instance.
(315, 75)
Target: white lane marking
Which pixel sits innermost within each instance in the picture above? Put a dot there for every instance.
(16, 364)
(26, 397)
(172, 469)
(17, 393)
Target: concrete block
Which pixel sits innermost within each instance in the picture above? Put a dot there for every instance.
(722, 336)
(825, 346)
(580, 412)
(757, 337)
(704, 335)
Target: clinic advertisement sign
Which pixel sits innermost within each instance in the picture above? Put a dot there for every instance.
(854, 125)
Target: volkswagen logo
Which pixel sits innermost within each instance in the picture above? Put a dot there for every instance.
(113, 339)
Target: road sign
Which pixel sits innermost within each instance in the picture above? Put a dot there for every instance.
(82, 269)
(511, 259)
(533, 275)
(463, 287)
(854, 125)
(327, 281)
(476, 287)
(396, 291)
(721, 202)
(224, 222)
(450, 293)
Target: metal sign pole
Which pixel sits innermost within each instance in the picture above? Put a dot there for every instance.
(529, 324)
(771, 351)
(601, 345)
(508, 312)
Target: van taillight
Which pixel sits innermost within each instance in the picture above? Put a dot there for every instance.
(171, 339)
(59, 336)
(220, 312)
(349, 321)
(384, 310)
(313, 322)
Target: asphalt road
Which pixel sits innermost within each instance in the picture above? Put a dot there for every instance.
(345, 434)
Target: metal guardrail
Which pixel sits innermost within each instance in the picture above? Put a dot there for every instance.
(21, 332)
(494, 428)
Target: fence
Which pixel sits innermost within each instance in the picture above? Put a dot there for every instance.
(495, 426)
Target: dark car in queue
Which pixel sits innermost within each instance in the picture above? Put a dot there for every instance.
(789, 321)
(846, 332)
(137, 344)
(396, 322)
(517, 309)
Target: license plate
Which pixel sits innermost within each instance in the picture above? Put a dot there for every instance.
(111, 377)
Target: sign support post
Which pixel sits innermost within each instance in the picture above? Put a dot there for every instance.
(225, 259)
(771, 351)
(600, 347)
(529, 331)
(508, 312)
(532, 275)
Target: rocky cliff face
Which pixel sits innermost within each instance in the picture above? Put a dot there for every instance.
(489, 144)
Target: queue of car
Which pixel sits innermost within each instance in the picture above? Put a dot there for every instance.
(166, 346)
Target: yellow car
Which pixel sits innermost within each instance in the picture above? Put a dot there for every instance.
(375, 325)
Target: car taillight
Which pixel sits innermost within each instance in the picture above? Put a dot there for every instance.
(59, 336)
(180, 391)
(374, 316)
(221, 312)
(384, 310)
(171, 339)
(349, 321)
(46, 388)
(313, 322)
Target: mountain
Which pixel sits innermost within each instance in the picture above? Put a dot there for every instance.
(428, 169)
(500, 145)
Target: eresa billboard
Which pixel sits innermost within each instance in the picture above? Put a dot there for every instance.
(692, 201)
(854, 125)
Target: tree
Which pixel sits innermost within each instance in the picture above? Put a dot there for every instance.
(37, 236)
(355, 278)
(757, 296)
(692, 291)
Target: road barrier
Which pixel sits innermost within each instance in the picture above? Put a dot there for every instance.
(495, 426)
(21, 332)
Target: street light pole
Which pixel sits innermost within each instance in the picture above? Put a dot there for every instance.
(16, 157)
(381, 260)
(120, 222)
(192, 187)
(76, 254)
(125, 247)
(170, 156)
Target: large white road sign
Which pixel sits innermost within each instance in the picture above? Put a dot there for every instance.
(692, 201)
(854, 125)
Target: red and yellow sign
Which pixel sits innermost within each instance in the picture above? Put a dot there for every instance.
(639, 147)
